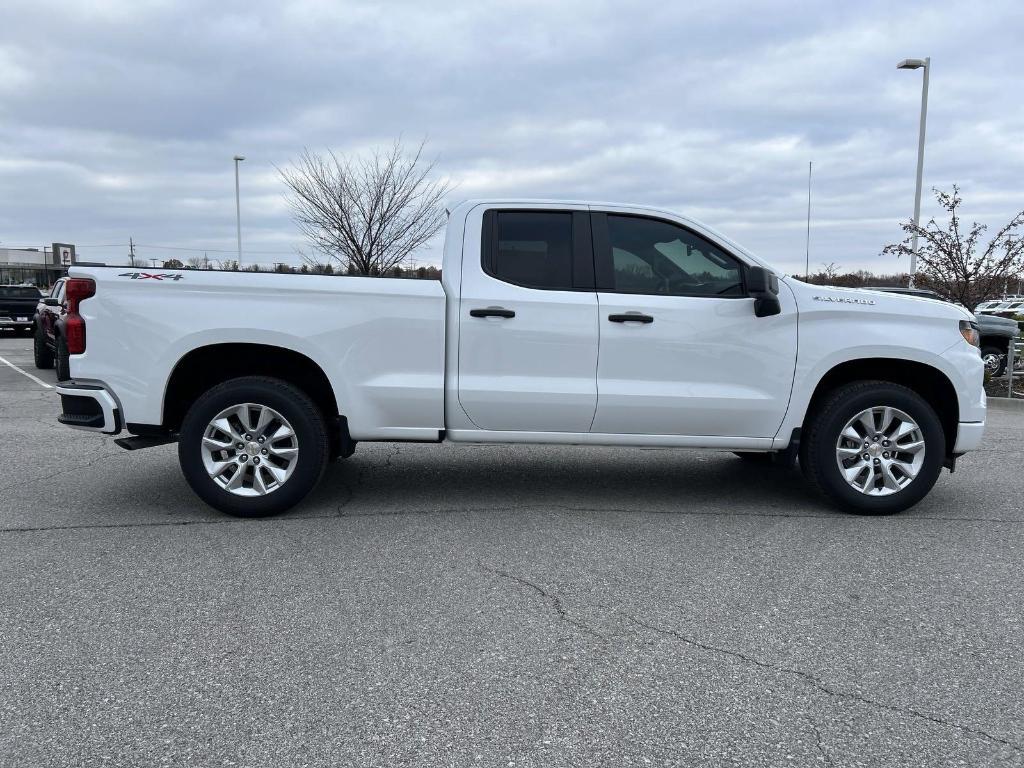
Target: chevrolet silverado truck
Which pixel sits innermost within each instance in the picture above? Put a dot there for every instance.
(564, 323)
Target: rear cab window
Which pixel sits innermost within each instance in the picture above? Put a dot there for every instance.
(19, 292)
(540, 249)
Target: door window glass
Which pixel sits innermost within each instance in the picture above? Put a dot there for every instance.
(533, 249)
(656, 257)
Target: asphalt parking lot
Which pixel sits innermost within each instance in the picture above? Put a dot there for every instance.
(500, 606)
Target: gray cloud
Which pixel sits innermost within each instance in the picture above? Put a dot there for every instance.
(120, 118)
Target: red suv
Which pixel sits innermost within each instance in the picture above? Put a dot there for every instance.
(49, 346)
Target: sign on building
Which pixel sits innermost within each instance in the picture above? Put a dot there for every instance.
(63, 254)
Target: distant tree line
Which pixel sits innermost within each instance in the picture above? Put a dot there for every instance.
(831, 274)
(308, 267)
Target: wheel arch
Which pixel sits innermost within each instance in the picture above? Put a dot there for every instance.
(1002, 343)
(926, 380)
(206, 366)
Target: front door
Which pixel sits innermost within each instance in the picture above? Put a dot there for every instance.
(528, 321)
(681, 351)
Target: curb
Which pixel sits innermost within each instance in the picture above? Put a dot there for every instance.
(1006, 403)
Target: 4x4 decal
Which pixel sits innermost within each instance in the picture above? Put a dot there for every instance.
(151, 276)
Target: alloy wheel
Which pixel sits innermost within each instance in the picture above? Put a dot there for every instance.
(249, 449)
(880, 451)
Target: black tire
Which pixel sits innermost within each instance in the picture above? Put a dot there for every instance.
(63, 359)
(294, 405)
(821, 435)
(990, 353)
(756, 458)
(41, 353)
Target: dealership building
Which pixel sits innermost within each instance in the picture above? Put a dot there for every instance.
(35, 266)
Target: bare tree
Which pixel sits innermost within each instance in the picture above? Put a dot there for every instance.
(951, 262)
(368, 213)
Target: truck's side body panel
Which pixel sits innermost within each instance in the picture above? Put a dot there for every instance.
(531, 372)
(380, 342)
(705, 365)
(839, 325)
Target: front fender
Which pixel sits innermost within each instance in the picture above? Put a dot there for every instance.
(960, 364)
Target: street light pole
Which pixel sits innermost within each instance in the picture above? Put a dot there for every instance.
(926, 65)
(238, 210)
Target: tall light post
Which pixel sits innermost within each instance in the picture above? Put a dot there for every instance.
(238, 209)
(925, 64)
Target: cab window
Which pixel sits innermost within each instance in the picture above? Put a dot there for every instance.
(530, 248)
(651, 256)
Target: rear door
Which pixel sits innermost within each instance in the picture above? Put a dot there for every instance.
(528, 325)
(695, 361)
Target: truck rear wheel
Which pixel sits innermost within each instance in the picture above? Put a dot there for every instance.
(253, 446)
(873, 448)
(42, 355)
(63, 360)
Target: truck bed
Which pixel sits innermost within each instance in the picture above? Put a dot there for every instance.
(380, 341)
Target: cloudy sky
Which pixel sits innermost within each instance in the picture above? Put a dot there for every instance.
(119, 118)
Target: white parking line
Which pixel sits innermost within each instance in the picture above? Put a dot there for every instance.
(40, 382)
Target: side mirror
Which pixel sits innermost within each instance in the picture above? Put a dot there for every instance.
(763, 287)
(51, 302)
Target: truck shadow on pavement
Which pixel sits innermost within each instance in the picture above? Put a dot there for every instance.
(404, 479)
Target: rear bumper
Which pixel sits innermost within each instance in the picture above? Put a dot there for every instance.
(968, 436)
(89, 406)
(15, 322)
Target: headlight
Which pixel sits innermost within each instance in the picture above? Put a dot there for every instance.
(970, 333)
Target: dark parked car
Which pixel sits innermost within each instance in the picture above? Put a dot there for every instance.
(49, 348)
(17, 306)
(996, 332)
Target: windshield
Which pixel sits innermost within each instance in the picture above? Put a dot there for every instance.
(19, 292)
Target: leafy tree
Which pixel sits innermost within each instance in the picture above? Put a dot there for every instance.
(173, 264)
(952, 262)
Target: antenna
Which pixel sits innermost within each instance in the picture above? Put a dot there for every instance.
(807, 253)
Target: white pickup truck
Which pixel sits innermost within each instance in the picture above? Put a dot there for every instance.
(554, 322)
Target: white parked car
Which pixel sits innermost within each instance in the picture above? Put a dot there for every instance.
(1006, 308)
(569, 323)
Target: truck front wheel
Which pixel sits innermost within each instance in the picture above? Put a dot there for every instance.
(994, 359)
(873, 447)
(253, 446)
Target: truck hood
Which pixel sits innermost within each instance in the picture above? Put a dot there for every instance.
(999, 325)
(823, 297)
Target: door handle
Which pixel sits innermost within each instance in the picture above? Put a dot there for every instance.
(492, 312)
(631, 317)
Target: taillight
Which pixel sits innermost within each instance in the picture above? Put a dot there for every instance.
(75, 290)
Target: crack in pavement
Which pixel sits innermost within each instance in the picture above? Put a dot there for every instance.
(361, 471)
(682, 513)
(823, 686)
(552, 598)
(340, 507)
(169, 523)
(52, 475)
(818, 743)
